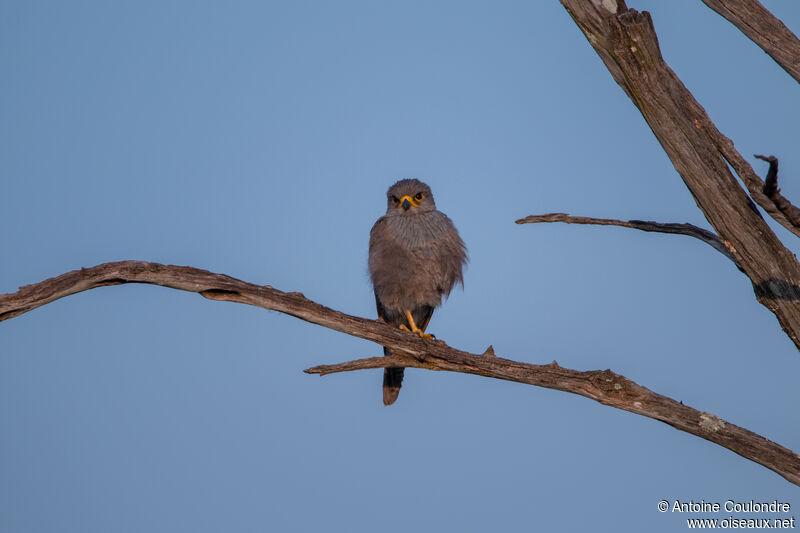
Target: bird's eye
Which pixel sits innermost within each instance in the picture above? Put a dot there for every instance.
(419, 196)
(395, 200)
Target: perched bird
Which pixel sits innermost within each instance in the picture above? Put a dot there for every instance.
(415, 258)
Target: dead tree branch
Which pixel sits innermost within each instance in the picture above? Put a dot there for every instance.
(764, 29)
(658, 227)
(755, 185)
(772, 191)
(603, 386)
(626, 41)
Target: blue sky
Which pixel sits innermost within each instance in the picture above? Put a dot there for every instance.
(257, 139)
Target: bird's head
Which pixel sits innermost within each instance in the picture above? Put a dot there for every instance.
(409, 197)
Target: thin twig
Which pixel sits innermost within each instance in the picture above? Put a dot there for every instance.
(755, 185)
(691, 230)
(772, 191)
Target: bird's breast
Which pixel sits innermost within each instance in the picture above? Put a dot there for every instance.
(418, 231)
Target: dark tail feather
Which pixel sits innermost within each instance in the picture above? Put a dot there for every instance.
(392, 381)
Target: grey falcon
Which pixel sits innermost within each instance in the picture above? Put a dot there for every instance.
(415, 259)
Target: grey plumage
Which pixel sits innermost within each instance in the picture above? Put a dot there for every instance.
(415, 259)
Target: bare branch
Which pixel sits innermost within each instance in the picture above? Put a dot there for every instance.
(363, 364)
(627, 43)
(772, 191)
(764, 29)
(207, 284)
(771, 181)
(604, 386)
(659, 227)
(755, 185)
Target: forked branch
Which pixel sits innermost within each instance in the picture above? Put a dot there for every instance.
(626, 42)
(602, 386)
(772, 191)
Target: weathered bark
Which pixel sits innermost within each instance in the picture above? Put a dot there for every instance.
(772, 191)
(603, 386)
(657, 227)
(764, 29)
(626, 42)
(755, 185)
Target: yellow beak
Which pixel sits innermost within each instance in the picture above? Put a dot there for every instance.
(407, 202)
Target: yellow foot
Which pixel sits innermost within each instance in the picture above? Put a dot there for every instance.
(414, 328)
